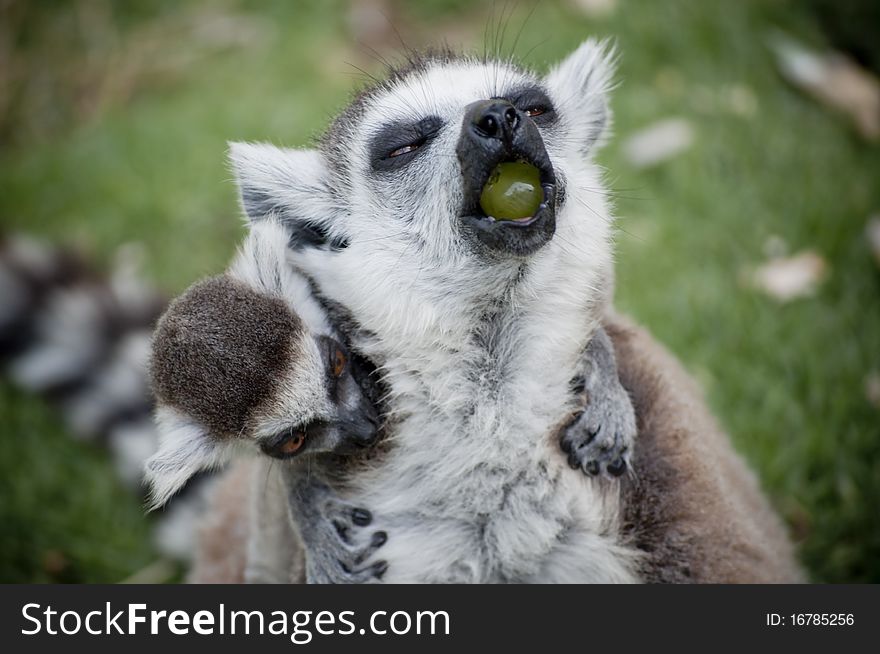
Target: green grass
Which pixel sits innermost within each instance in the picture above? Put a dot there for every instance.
(102, 146)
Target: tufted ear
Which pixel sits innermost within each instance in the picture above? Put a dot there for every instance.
(185, 449)
(580, 85)
(290, 186)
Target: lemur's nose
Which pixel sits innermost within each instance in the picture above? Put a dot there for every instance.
(494, 119)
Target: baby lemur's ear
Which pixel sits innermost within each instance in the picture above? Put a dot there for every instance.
(291, 186)
(579, 85)
(185, 448)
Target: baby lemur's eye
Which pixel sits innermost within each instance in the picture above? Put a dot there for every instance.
(336, 358)
(535, 111)
(337, 363)
(284, 445)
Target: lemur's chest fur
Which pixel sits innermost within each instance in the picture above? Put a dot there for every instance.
(478, 490)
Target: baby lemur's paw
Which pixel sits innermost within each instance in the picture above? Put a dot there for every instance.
(600, 437)
(344, 553)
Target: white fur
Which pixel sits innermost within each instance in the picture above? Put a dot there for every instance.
(118, 384)
(28, 254)
(70, 340)
(132, 443)
(474, 488)
(185, 448)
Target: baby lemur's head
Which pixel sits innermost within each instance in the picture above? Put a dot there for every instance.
(445, 180)
(234, 366)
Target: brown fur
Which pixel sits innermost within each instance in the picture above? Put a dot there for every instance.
(219, 350)
(694, 509)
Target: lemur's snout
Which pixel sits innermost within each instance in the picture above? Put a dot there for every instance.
(508, 182)
(494, 119)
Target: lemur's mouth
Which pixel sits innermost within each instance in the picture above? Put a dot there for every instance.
(513, 192)
(517, 192)
(512, 204)
(509, 185)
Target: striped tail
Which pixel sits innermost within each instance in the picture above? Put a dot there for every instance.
(82, 341)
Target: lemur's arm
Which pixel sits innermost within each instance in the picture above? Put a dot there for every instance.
(600, 437)
(235, 366)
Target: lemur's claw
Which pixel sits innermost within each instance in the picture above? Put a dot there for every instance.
(361, 517)
(341, 558)
(598, 440)
(617, 467)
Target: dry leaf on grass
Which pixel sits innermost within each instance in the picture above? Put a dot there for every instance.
(789, 278)
(658, 142)
(872, 231)
(834, 80)
(872, 388)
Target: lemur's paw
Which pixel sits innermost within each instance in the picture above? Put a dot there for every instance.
(347, 557)
(599, 439)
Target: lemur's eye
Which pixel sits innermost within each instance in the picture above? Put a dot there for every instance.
(396, 144)
(292, 444)
(285, 445)
(412, 147)
(536, 104)
(338, 362)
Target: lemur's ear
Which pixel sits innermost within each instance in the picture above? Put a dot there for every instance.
(580, 85)
(185, 448)
(291, 186)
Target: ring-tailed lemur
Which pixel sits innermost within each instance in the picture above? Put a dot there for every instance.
(478, 325)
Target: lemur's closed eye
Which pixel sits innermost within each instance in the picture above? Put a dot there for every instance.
(396, 144)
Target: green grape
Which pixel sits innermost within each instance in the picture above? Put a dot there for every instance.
(513, 191)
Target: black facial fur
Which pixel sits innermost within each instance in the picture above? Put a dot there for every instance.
(534, 97)
(333, 142)
(303, 233)
(397, 135)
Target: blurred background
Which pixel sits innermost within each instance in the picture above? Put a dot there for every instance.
(744, 164)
